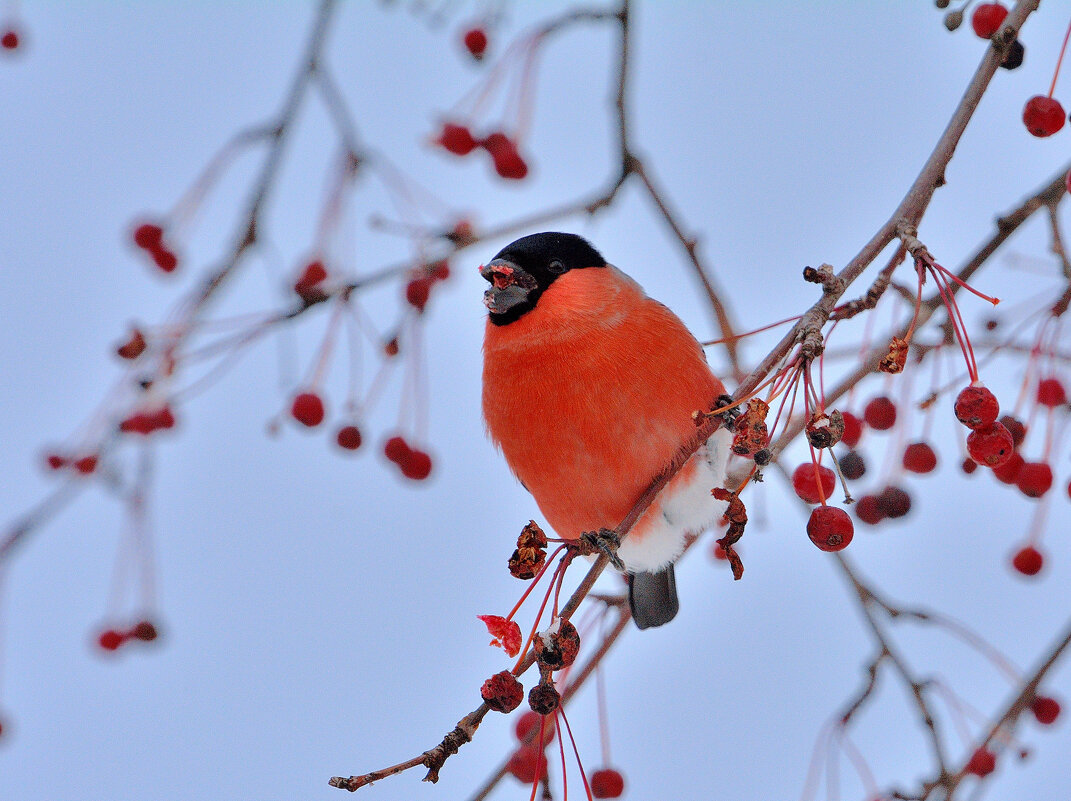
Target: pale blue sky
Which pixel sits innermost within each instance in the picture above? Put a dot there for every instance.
(319, 615)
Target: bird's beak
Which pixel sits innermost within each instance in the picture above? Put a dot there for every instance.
(510, 285)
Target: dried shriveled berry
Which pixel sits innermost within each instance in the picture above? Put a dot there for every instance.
(991, 446)
(531, 553)
(502, 692)
(893, 362)
(544, 699)
(919, 457)
(558, 646)
(1045, 709)
(1029, 561)
(894, 502)
(880, 413)
(308, 409)
(852, 465)
(607, 783)
(976, 407)
(1034, 479)
(806, 478)
(825, 431)
(1013, 59)
(830, 528)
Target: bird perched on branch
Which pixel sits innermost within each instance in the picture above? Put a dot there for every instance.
(588, 389)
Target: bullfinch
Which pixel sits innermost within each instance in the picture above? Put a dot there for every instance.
(588, 389)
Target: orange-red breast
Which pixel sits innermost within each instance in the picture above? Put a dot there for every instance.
(589, 388)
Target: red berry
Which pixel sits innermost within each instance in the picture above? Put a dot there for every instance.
(991, 446)
(853, 430)
(527, 764)
(502, 692)
(982, 763)
(1034, 479)
(880, 413)
(1043, 116)
(1045, 709)
(390, 347)
(163, 418)
(308, 409)
(607, 783)
(920, 458)
(1028, 561)
(528, 725)
(440, 270)
(805, 480)
(55, 461)
(1016, 428)
(987, 19)
(456, 139)
(868, 510)
(148, 236)
(111, 639)
(894, 502)
(313, 274)
(397, 450)
(1051, 392)
(830, 528)
(476, 42)
(507, 160)
(86, 465)
(133, 347)
(969, 465)
(164, 258)
(417, 465)
(1009, 471)
(417, 292)
(349, 437)
(976, 406)
(137, 423)
(10, 39)
(144, 630)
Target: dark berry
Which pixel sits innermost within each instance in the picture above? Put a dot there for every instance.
(144, 630)
(852, 465)
(1016, 428)
(894, 502)
(502, 692)
(1013, 59)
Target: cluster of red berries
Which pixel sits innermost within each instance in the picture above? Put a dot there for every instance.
(150, 238)
(418, 289)
(111, 639)
(10, 39)
(475, 41)
(458, 139)
(990, 443)
(85, 465)
(147, 422)
(413, 462)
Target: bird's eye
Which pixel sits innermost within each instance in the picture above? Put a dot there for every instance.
(556, 266)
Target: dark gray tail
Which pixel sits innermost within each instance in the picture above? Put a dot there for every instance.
(653, 597)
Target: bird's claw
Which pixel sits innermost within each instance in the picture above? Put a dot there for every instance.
(604, 541)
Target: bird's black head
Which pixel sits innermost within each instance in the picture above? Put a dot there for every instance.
(521, 272)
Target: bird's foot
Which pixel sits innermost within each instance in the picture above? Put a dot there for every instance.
(604, 541)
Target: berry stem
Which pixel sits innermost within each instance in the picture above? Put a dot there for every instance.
(1059, 61)
(576, 752)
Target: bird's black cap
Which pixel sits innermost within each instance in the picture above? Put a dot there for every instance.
(522, 271)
